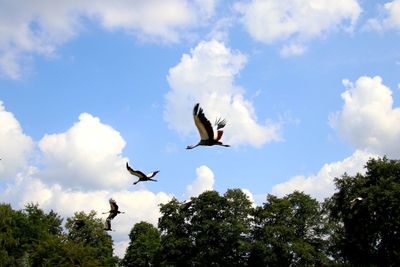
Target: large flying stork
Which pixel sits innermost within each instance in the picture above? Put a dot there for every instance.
(142, 177)
(208, 137)
(114, 210)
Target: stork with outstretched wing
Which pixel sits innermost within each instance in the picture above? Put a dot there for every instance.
(208, 136)
(114, 209)
(142, 177)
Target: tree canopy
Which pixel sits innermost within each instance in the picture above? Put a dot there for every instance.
(359, 225)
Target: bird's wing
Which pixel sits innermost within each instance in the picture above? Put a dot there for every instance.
(135, 172)
(113, 205)
(219, 124)
(152, 174)
(202, 123)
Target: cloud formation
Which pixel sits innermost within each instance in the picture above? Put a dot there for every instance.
(203, 182)
(388, 19)
(296, 22)
(88, 155)
(368, 119)
(15, 145)
(321, 185)
(39, 27)
(206, 75)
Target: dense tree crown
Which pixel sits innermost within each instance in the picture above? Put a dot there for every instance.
(358, 226)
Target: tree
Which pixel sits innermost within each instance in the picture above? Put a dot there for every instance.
(365, 214)
(92, 237)
(288, 231)
(176, 246)
(237, 227)
(143, 246)
(7, 241)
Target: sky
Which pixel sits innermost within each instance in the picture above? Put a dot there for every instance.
(309, 89)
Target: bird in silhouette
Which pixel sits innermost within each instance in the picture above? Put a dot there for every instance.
(107, 225)
(114, 210)
(208, 136)
(142, 177)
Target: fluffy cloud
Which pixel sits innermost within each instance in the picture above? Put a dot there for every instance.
(322, 184)
(15, 146)
(207, 76)
(368, 119)
(88, 155)
(389, 18)
(204, 181)
(296, 21)
(39, 27)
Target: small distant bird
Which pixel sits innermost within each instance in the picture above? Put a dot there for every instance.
(142, 177)
(78, 224)
(107, 225)
(355, 202)
(208, 137)
(114, 209)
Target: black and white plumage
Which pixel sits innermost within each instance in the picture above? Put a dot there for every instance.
(208, 136)
(142, 177)
(114, 210)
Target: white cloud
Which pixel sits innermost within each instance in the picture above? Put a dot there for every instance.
(88, 155)
(207, 76)
(15, 146)
(368, 119)
(204, 182)
(389, 17)
(269, 21)
(321, 185)
(39, 27)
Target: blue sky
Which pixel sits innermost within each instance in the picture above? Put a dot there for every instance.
(310, 90)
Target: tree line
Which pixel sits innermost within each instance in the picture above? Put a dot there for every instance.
(359, 225)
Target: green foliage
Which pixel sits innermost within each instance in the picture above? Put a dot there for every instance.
(143, 246)
(91, 237)
(31, 237)
(369, 227)
(288, 231)
(176, 246)
(358, 226)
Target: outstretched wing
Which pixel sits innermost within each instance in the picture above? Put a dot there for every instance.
(152, 174)
(113, 205)
(202, 123)
(135, 172)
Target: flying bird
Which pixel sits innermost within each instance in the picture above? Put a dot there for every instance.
(142, 177)
(208, 136)
(107, 225)
(114, 210)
